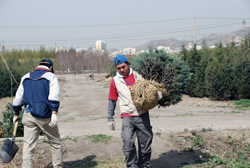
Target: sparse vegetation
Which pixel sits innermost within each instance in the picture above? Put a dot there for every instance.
(154, 116)
(243, 103)
(61, 114)
(99, 138)
(206, 129)
(158, 133)
(69, 119)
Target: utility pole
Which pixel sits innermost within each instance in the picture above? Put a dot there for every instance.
(55, 47)
(3, 48)
(194, 32)
(243, 29)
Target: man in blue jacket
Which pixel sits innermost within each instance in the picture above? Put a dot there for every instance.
(39, 92)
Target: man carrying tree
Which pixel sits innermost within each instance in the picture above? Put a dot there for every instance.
(39, 92)
(135, 123)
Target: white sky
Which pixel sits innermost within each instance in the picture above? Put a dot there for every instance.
(79, 23)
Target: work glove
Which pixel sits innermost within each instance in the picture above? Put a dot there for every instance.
(112, 125)
(159, 95)
(53, 121)
(16, 118)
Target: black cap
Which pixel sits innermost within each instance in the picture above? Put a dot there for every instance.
(48, 63)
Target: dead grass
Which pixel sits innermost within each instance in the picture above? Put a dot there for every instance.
(184, 149)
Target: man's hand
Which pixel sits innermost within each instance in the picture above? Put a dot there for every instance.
(16, 118)
(53, 120)
(112, 125)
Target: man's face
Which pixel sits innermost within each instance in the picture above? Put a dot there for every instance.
(123, 69)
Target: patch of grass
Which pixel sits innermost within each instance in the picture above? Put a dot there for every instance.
(222, 106)
(95, 118)
(99, 138)
(69, 119)
(154, 116)
(243, 103)
(198, 141)
(193, 133)
(60, 114)
(206, 129)
(158, 133)
(241, 108)
(183, 115)
(234, 112)
(68, 138)
(230, 161)
(186, 139)
(211, 111)
(236, 157)
(92, 118)
(46, 140)
(64, 139)
(247, 148)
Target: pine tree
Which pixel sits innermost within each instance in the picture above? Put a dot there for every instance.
(163, 68)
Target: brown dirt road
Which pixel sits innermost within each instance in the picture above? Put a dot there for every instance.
(84, 109)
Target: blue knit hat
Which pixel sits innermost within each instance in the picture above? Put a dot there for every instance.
(120, 59)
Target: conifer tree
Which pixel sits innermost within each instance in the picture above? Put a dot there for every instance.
(163, 68)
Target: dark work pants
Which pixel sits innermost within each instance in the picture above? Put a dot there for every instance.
(139, 127)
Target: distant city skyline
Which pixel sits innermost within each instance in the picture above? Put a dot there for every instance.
(29, 24)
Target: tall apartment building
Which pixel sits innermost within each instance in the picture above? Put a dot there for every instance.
(100, 45)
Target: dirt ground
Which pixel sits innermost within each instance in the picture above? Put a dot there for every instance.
(83, 112)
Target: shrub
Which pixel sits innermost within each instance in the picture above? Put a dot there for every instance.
(163, 68)
(7, 125)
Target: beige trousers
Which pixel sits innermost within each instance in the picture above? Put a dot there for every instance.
(32, 127)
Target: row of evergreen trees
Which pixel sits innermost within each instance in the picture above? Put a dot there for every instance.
(20, 62)
(221, 73)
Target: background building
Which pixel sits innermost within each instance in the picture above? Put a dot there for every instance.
(128, 51)
(101, 45)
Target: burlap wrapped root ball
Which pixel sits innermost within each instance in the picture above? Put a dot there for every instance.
(144, 94)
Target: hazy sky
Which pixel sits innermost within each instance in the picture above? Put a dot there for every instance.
(121, 23)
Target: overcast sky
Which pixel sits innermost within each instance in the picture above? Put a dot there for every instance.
(121, 23)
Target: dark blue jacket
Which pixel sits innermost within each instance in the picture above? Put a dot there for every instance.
(39, 92)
